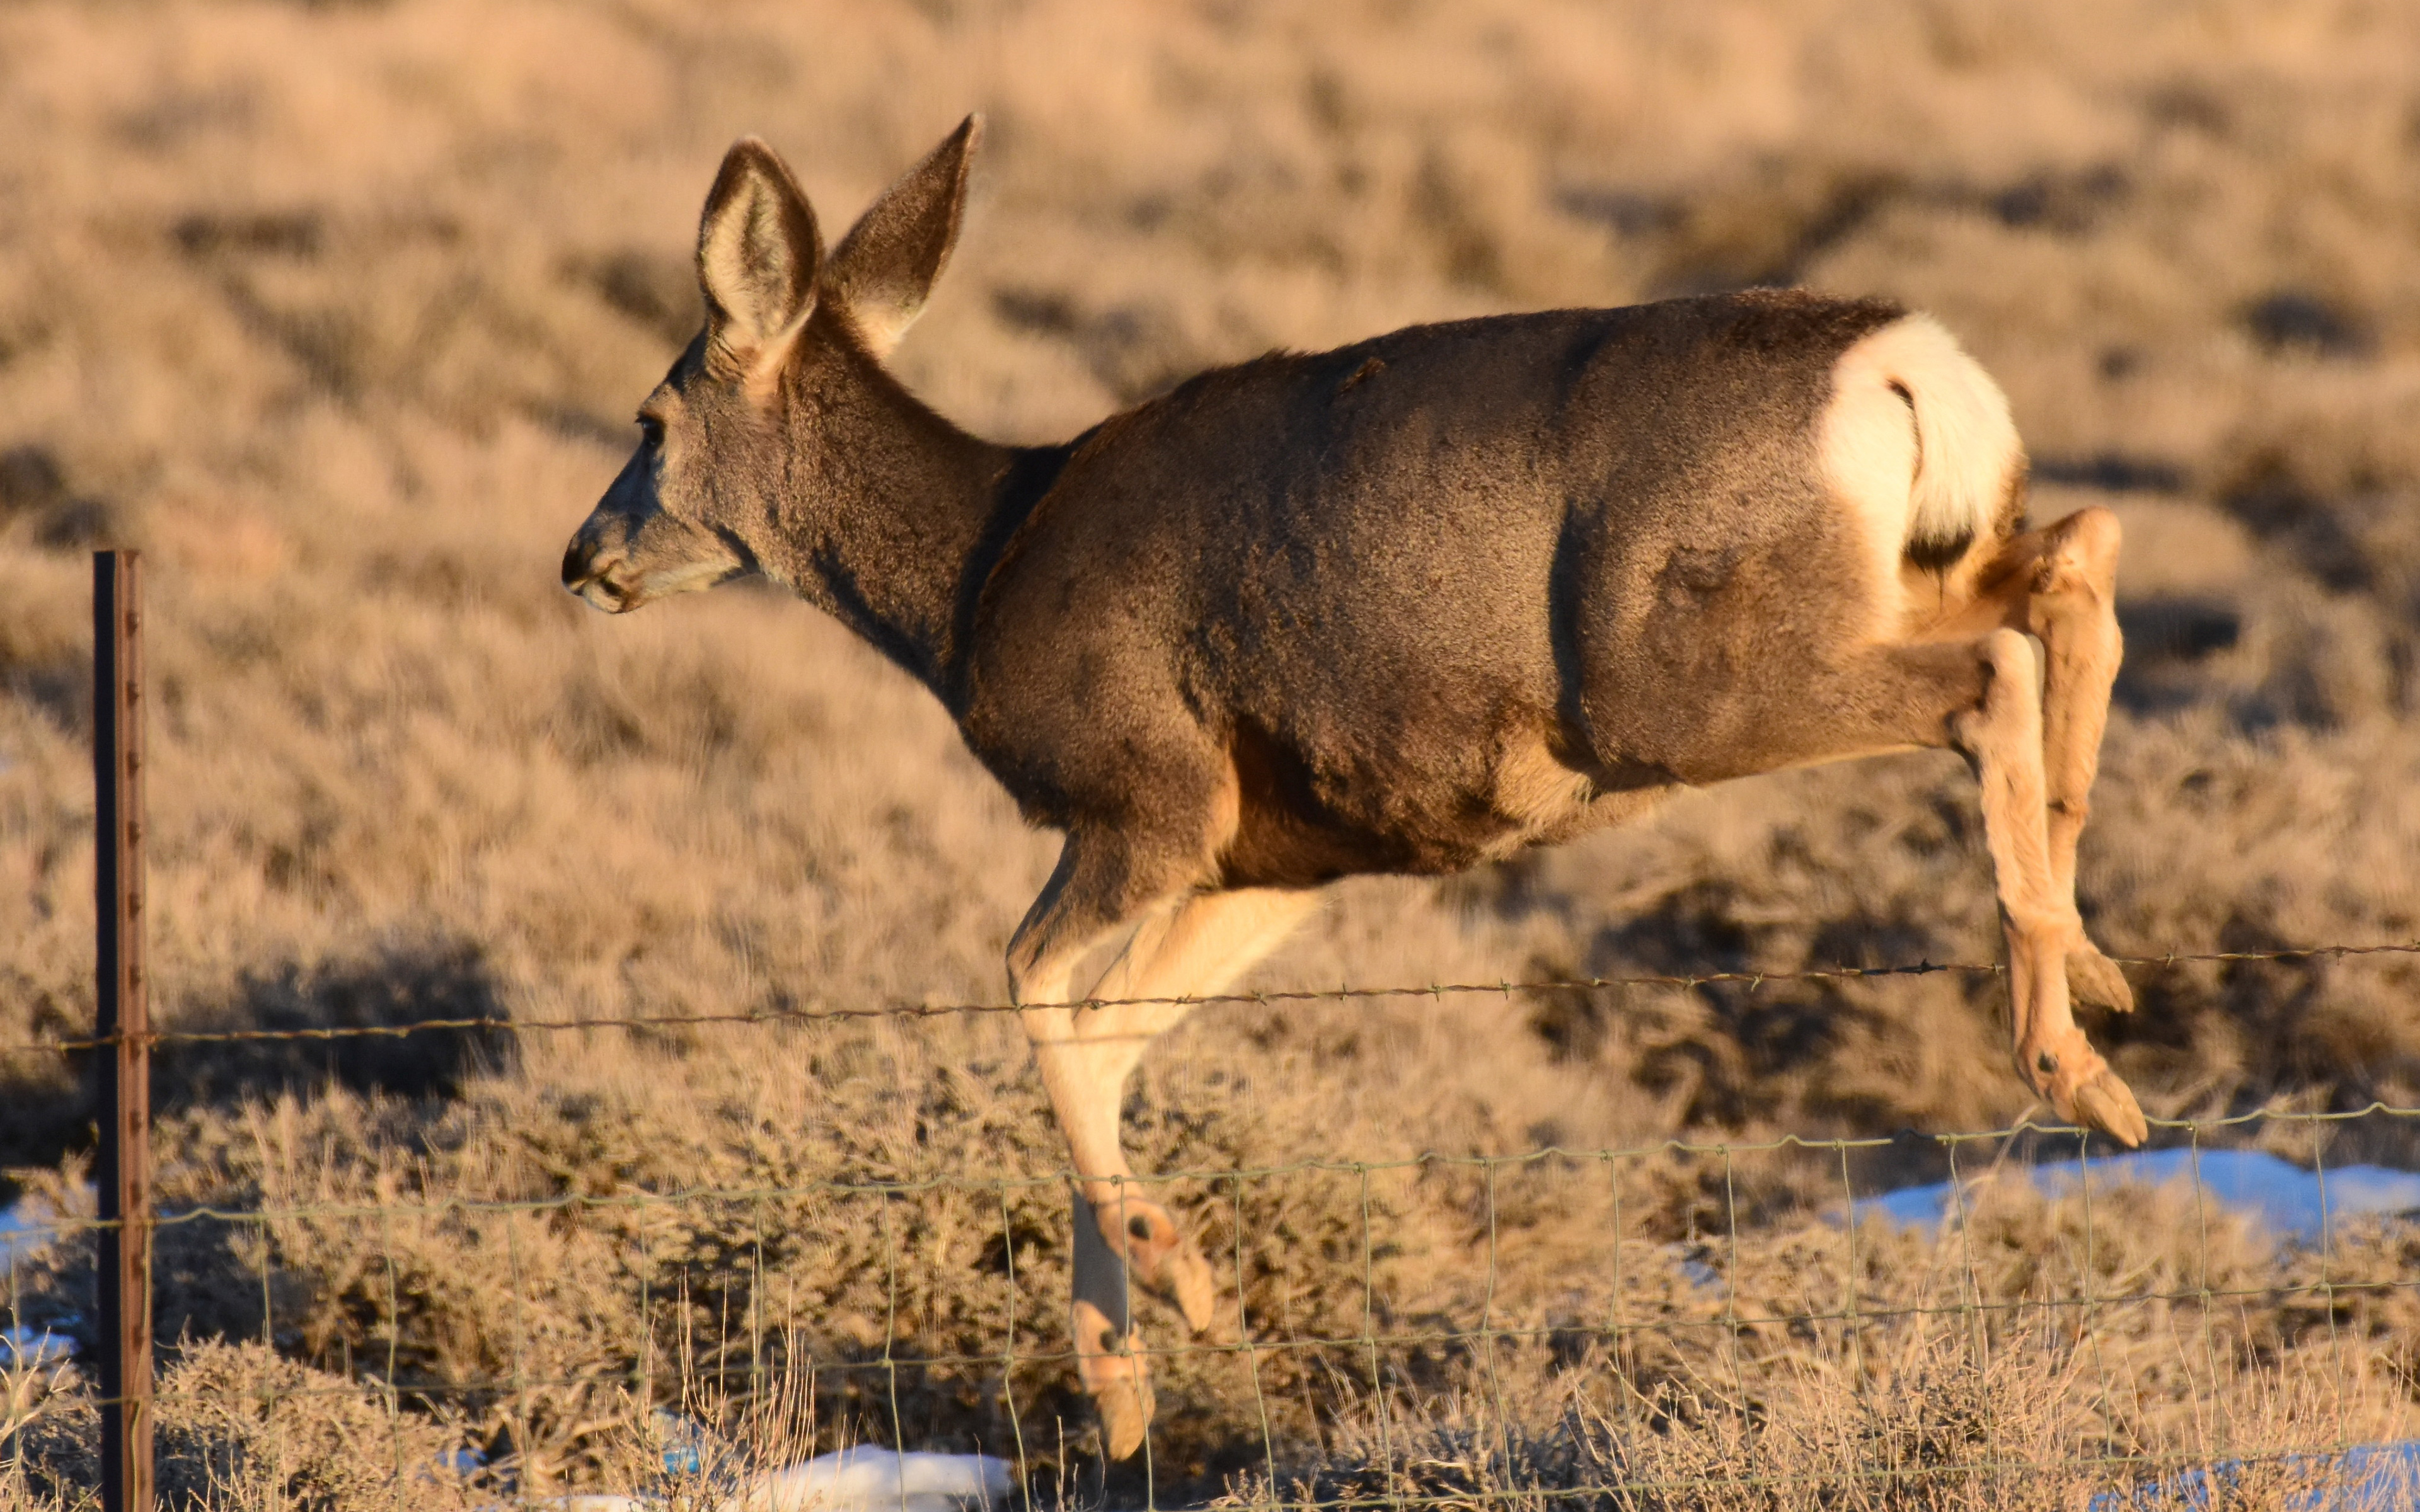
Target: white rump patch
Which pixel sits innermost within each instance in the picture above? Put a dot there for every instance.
(1917, 441)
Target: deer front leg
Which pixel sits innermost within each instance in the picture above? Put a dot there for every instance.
(1109, 1347)
(2071, 605)
(1187, 946)
(1085, 1056)
(2002, 738)
(1096, 889)
(1199, 947)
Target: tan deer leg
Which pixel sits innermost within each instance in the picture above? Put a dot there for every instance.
(2002, 737)
(1092, 894)
(1189, 947)
(1199, 948)
(2071, 605)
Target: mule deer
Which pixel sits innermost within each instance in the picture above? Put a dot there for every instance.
(1405, 607)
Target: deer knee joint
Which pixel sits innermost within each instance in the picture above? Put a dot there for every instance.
(2089, 537)
(2009, 653)
(2082, 560)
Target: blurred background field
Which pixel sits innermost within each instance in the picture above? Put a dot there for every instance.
(339, 312)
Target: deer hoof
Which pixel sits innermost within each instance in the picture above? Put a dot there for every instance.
(1117, 1378)
(2094, 978)
(2106, 1103)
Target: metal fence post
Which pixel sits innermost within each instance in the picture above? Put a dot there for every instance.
(122, 1021)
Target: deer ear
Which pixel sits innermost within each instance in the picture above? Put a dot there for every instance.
(884, 269)
(757, 254)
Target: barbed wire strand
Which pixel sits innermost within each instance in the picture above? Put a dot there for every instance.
(774, 1016)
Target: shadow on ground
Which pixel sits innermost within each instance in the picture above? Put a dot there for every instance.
(46, 1110)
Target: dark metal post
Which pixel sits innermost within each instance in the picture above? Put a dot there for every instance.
(122, 1021)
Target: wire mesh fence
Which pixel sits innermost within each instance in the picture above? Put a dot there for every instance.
(2011, 1317)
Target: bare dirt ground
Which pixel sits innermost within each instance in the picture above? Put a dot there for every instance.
(339, 311)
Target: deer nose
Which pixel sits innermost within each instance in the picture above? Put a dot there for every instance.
(588, 567)
(579, 563)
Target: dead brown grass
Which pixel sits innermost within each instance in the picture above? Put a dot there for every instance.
(1461, 1331)
(337, 310)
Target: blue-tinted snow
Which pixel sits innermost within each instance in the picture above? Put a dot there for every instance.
(2377, 1477)
(24, 1224)
(2292, 1202)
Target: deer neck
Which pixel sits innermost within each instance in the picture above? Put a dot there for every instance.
(898, 518)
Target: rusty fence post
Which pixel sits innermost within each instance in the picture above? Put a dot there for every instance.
(122, 1021)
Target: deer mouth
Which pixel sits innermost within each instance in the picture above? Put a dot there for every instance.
(613, 598)
(593, 580)
(610, 596)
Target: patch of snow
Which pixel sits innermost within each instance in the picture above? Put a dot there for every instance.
(878, 1480)
(686, 1444)
(848, 1480)
(2378, 1477)
(26, 1224)
(2291, 1201)
(34, 1346)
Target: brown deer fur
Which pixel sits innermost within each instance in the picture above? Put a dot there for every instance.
(1409, 605)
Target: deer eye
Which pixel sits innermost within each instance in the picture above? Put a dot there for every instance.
(651, 432)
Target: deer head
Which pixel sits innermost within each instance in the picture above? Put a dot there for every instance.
(752, 438)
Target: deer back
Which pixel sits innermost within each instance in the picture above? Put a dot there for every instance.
(1579, 552)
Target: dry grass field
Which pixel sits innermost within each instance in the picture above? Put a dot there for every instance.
(340, 309)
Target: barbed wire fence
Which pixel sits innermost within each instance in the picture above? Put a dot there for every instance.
(1707, 1326)
(1504, 988)
(2071, 1339)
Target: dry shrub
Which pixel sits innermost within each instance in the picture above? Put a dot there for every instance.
(242, 1429)
(1940, 1428)
(545, 1268)
(1969, 1369)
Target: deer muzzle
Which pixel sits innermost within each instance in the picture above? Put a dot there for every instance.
(588, 571)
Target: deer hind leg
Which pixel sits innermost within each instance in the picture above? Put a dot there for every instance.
(1187, 945)
(2070, 603)
(1981, 697)
(2002, 736)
